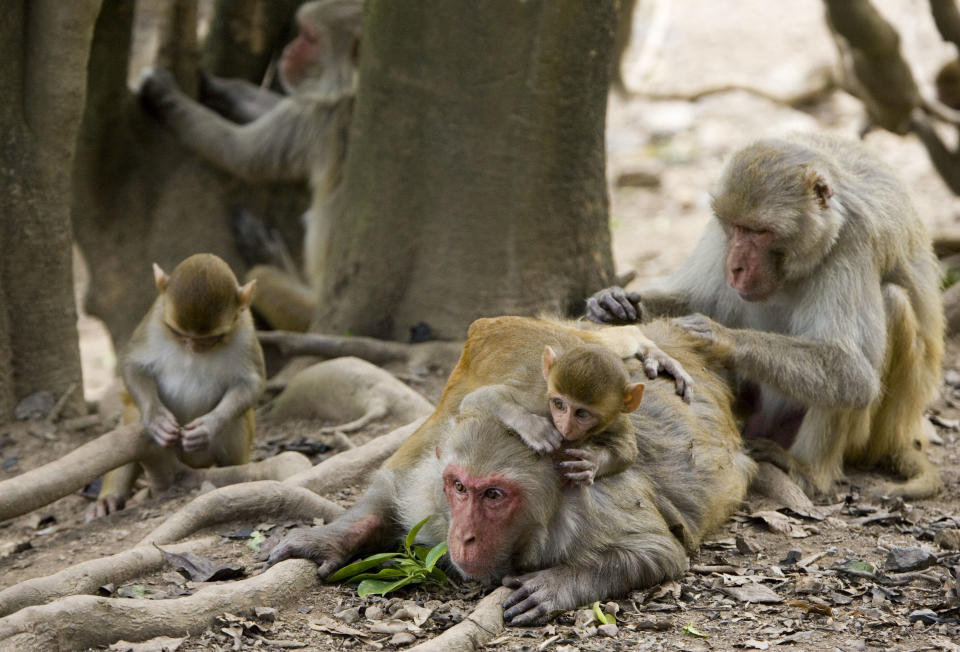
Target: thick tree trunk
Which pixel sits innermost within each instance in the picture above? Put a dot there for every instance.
(43, 55)
(475, 181)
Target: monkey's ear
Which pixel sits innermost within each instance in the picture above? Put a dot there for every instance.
(245, 294)
(818, 186)
(631, 399)
(160, 278)
(549, 357)
(437, 451)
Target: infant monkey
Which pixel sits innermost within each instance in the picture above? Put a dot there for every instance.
(589, 394)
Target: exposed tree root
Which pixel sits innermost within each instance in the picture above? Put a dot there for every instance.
(43, 485)
(475, 631)
(414, 357)
(87, 577)
(355, 464)
(83, 621)
(246, 501)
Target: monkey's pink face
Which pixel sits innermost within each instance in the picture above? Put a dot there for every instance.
(750, 266)
(300, 54)
(483, 517)
(573, 419)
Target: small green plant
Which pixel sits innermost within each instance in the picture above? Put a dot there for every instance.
(603, 617)
(411, 565)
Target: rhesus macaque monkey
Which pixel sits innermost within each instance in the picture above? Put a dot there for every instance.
(589, 394)
(503, 510)
(817, 283)
(194, 371)
(302, 136)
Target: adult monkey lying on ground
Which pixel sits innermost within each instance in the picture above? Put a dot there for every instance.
(297, 137)
(504, 509)
(825, 292)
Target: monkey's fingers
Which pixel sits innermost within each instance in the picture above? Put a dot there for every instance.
(524, 606)
(651, 366)
(164, 437)
(105, 506)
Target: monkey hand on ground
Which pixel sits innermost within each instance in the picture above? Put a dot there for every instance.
(580, 467)
(536, 597)
(320, 544)
(704, 328)
(104, 505)
(614, 305)
(161, 425)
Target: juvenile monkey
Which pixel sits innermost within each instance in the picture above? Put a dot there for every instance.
(193, 369)
(817, 283)
(589, 394)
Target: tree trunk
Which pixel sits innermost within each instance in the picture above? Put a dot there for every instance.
(474, 183)
(141, 197)
(43, 56)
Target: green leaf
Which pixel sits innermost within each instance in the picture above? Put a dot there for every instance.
(360, 566)
(380, 587)
(414, 531)
(256, 538)
(435, 554)
(437, 576)
(603, 617)
(692, 631)
(383, 574)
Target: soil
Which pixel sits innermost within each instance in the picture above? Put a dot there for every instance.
(762, 581)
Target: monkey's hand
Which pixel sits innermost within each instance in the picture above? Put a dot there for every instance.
(655, 361)
(162, 426)
(198, 434)
(614, 305)
(104, 506)
(318, 544)
(702, 327)
(157, 87)
(581, 469)
(537, 432)
(534, 600)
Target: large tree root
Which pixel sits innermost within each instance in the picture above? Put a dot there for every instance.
(43, 485)
(414, 357)
(87, 577)
(474, 632)
(248, 501)
(83, 621)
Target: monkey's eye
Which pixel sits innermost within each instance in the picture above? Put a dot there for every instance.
(493, 494)
(557, 403)
(458, 486)
(583, 414)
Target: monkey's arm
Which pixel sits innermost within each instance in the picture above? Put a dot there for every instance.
(501, 402)
(606, 453)
(236, 99)
(368, 523)
(158, 421)
(814, 372)
(200, 433)
(275, 147)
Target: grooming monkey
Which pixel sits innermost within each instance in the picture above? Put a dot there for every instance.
(194, 370)
(302, 136)
(817, 283)
(504, 512)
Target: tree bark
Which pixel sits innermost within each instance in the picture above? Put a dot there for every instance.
(43, 56)
(474, 183)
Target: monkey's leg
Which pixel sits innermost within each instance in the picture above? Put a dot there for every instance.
(116, 488)
(283, 301)
(821, 442)
(375, 410)
(235, 444)
(898, 437)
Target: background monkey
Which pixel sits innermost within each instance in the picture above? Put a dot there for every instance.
(280, 138)
(825, 292)
(589, 394)
(501, 508)
(194, 370)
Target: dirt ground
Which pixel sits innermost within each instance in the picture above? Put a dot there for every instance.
(769, 579)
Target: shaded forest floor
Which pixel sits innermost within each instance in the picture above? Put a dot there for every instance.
(769, 579)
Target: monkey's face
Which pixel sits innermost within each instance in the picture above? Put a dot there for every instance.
(751, 263)
(484, 514)
(303, 57)
(574, 419)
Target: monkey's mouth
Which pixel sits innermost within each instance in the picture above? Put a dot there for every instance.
(478, 572)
